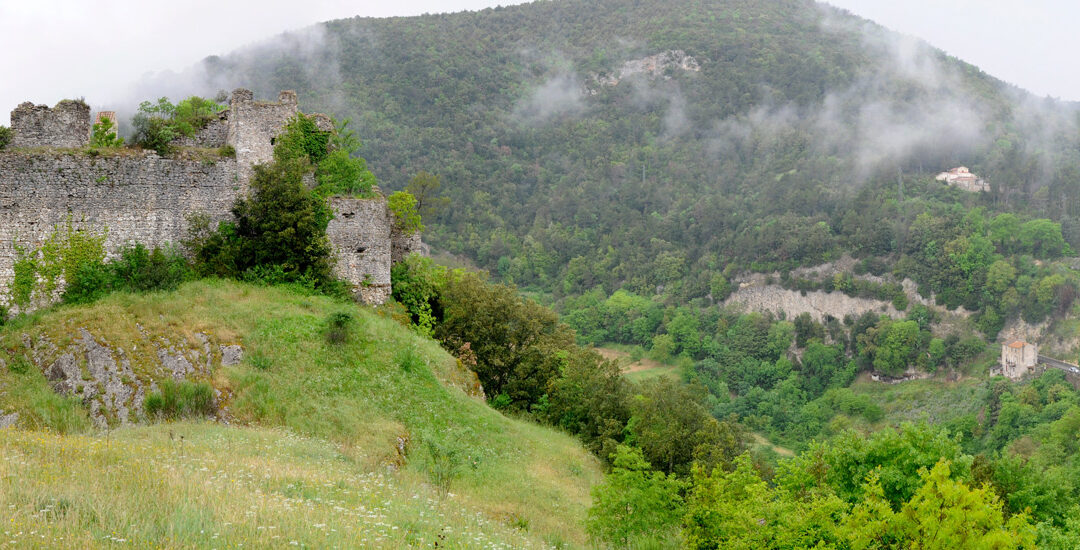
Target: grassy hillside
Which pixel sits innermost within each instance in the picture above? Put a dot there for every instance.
(313, 450)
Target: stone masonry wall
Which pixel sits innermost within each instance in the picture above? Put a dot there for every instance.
(401, 244)
(146, 199)
(67, 125)
(212, 136)
(142, 198)
(363, 249)
(253, 125)
(139, 197)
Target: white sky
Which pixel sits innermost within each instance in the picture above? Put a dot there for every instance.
(56, 49)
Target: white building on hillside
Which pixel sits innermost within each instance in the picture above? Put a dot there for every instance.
(963, 178)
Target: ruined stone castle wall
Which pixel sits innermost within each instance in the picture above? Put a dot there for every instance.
(363, 249)
(253, 126)
(213, 135)
(138, 198)
(67, 125)
(402, 244)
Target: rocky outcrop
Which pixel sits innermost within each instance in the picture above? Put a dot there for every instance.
(818, 304)
(113, 381)
(661, 65)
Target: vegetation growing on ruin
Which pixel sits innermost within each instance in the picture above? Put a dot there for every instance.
(61, 257)
(157, 124)
(104, 135)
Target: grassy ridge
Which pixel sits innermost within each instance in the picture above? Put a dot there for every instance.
(311, 404)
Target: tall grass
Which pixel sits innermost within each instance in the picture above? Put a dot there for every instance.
(362, 396)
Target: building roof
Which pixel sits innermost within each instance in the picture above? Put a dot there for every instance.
(1018, 344)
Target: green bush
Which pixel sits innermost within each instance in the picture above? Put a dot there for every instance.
(406, 216)
(137, 269)
(443, 464)
(104, 135)
(183, 399)
(153, 127)
(341, 170)
(5, 136)
(279, 230)
(301, 139)
(339, 327)
(193, 114)
(158, 124)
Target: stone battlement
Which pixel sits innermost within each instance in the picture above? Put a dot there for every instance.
(139, 197)
(67, 125)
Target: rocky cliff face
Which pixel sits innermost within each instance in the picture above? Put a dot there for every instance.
(818, 304)
(113, 381)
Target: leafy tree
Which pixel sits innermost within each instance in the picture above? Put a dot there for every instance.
(104, 135)
(634, 505)
(520, 346)
(738, 509)
(406, 216)
(193, 114)
(283, 223)
(1042, 239)
(5, 136)
(896, 347)
(673, 428)
(943, 514)
(417, 283)
(342, 170)
(153, 126)
(590, 399)
(301, 139)
(425, 187)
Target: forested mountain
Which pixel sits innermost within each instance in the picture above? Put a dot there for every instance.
(660, 147)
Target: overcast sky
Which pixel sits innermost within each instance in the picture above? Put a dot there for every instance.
(56, 49)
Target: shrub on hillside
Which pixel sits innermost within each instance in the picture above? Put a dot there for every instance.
(136, 269)
(5, 136)
(279, 232)
(183, 399)
(339, 327)
(520, 345)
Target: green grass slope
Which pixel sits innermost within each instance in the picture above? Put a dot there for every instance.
(313, 451)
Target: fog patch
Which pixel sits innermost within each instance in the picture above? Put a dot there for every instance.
(561, 95)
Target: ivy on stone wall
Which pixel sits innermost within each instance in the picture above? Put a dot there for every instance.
(41, 271)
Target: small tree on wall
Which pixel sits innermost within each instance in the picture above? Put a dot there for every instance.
(104, 135)
(407, 217)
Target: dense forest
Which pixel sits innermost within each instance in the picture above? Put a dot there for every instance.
(792, 133)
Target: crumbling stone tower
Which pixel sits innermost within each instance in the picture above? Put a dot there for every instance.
(67, 125)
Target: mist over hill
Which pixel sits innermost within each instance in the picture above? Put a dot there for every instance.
(648, 145)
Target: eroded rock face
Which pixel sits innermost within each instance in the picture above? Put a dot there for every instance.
(104, 378)
(817, 303)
